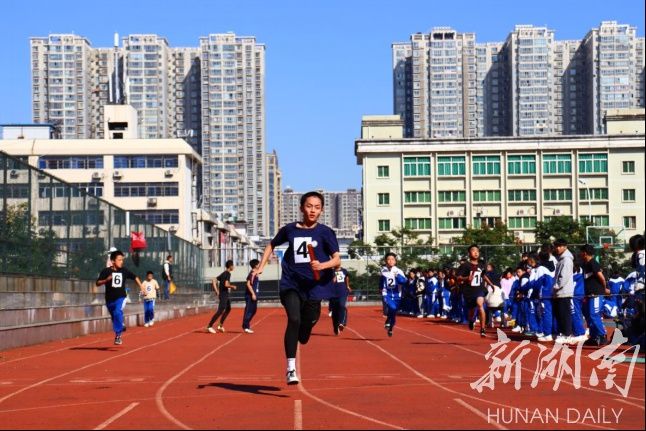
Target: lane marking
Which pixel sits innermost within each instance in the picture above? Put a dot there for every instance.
(479, 413)
(42, 382)
(301, 388)
(298, 415)
(482, 355)
(159, 395)
(434, 383)
(117, 416)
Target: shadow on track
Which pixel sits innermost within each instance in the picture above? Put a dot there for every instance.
(250, 389)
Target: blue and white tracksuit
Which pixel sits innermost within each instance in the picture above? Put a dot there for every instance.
(391, 282)
(543, 284)
(531, 301)
(613, 303)
(576, 306)
(432, 303)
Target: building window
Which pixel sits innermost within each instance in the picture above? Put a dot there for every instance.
(598, 194)
(557, 164)
(417, 166)
(70, 218)
(452, 223)
(157, 216)
(384, 225)
(417, 197)
(125, 190)
(486, 165)
(522, 222)
(478, 222)
(521, 165)
(628, 195)
(150, 161)
(71, 162)
(628, 167)
(451, 166)
(521, 195)
(454, 196)
(417, 223)
(383, 198)
(557, 194)
(486, 195)
(593, 163)
(383, 171)
(598, 220)
(630, 222)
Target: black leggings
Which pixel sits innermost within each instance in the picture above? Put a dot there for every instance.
(302, 315)
(224, 308)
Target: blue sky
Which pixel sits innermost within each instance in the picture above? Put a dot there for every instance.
(328, 62)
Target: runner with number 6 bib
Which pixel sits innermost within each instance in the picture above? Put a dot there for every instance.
(472, 278)
(301, 291)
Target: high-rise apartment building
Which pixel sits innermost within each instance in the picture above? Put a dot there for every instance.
(446, 85)
(211, 95)
(233, 129)
(274, 187)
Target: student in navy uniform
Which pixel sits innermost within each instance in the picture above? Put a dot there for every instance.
(391, 282)
(222, 289)
(300, 292)
(595, 288)
(114, 279)
(251, 297)
(339, 300)
(472, 278)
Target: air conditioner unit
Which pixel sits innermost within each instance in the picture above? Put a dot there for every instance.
(13, 173)
(520, 212)
(152, 202)
(117, 175)
(557, 212)
(96, 176)
(168, 173)
(450, 213)
(517, 234)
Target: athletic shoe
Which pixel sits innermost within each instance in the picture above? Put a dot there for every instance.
(579, 339)
(221, 329)
(152, 322)
(292, 378)
(419, 316)
(443, 317)
(330, 314)
(483, 333)
(437, 315)
(146, 325)
(518, 329)
(498, 319)
(471, 325)
(117, 340)
(539, 334)
(387, 325)
(211, 330)
(390, 332)
(248, 331)
(548, 339)
(341, 327)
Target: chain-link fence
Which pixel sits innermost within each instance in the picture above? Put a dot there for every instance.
(51, 228)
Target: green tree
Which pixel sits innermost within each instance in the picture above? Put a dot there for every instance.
(561, 227)
(411, 250)
(497, 244)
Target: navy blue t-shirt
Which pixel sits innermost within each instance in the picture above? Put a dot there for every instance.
(340, 287)
(296, 271)
(255, 282)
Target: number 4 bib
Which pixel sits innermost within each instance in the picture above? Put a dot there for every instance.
(300, 249)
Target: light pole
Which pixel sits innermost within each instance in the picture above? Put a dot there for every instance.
(587, 189)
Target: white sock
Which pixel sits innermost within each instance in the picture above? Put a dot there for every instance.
(291, 364)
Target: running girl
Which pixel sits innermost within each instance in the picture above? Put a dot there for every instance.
(391, 281)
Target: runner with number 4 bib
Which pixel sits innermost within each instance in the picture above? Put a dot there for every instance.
(472, 278)
(305, 279)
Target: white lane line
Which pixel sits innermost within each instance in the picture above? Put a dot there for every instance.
(117, 416)
(301, 388)
(298, 415)
(621, 400)
(159, 395)
(439, 385)
(481, 354)
(479, 413)
(42, 382)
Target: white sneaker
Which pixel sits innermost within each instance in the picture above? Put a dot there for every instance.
(443, 317)
(211, 330)
(146, 325)
(545, 339)
(221, 329)
(292, 378)
(419, 316)
(517, 329)
(248, 331)
(561, 339)
(579, 339)
(330, 314)
(539, 335)
(152, 322)
(498, 319)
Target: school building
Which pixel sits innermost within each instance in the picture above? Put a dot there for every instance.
(438, 187)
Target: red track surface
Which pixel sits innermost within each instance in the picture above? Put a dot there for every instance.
(175, 375)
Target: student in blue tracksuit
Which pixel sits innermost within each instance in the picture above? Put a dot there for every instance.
(443, 294)
(595, 288)
(114, 279)
(517, 302)
(339, 300)
(612, 303)
(432, 305)
(301, 291)
(391, 282)
(531, 297)
(544, 284)
(576, 308)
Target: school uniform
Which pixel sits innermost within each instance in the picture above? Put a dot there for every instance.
(594, 291)
(390, 282)
(251, 305)
(339, 300)
(612, 303)
(115, 294)
(576, 309)
(150, 294)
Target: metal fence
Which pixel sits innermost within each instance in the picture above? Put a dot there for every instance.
(54, 229)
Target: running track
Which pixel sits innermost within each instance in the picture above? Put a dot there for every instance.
(176, 376)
